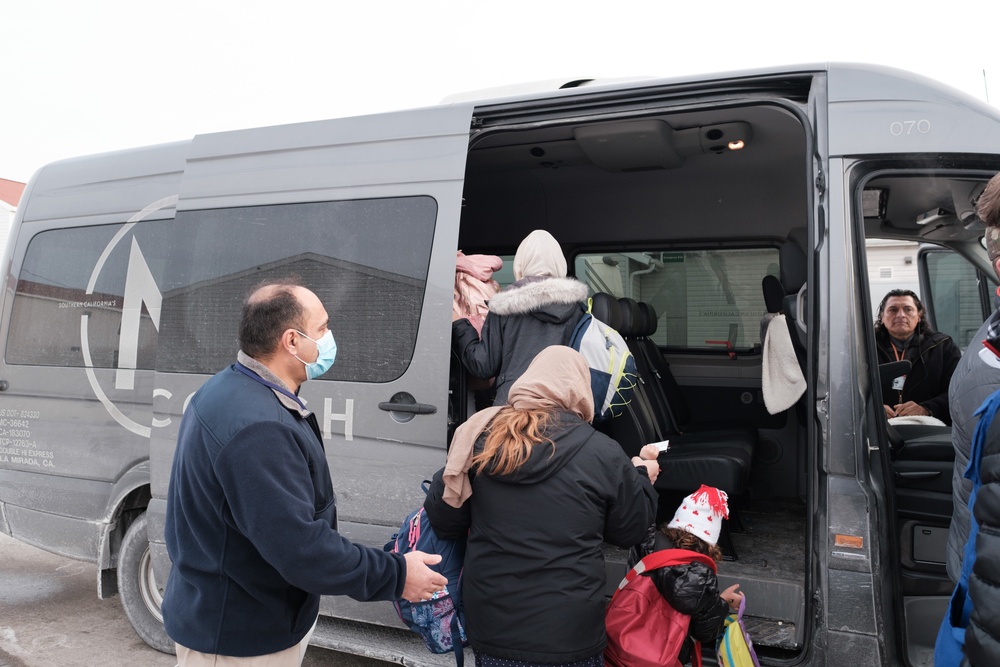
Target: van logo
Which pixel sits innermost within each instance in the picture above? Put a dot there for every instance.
(140, 289)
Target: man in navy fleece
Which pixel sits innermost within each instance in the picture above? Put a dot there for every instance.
(251, 522)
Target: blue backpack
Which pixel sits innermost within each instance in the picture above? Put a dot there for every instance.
(612, 368)
(440, 621)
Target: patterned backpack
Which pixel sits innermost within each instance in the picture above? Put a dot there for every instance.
(440, 621)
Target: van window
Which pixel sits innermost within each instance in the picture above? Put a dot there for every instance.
(52, 296)
(955, 294)
(707, 299)
(181, 283)
(366, 260)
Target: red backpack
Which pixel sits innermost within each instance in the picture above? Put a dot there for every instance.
(643, 630)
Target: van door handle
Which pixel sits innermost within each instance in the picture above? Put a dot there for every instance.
(404, 402)
(412, 408)
(915, 475)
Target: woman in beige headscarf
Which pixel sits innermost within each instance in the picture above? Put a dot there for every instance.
(537, 490)
(541, 308)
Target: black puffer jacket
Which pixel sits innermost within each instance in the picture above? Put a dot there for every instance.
(525, 318)
(934, 357)
(691, 589)
(982, 638)
(534, 581)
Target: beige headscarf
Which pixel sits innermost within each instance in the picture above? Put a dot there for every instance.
(539, 255)
(557, 379)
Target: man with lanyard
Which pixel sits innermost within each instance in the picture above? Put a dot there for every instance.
(902, 332)
(976, 377)
(251, 521)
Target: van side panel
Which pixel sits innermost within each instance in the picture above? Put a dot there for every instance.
(873, 110)
(74, 428)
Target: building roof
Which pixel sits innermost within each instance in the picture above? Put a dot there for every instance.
(10, 191)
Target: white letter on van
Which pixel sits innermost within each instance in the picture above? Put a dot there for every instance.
(140, 288)
(347, 418)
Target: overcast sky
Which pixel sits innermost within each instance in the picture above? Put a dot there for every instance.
(87, 77)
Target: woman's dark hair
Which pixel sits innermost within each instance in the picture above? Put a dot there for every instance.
(270, 309)
(682, 539)
(922, 326)
(988, 204)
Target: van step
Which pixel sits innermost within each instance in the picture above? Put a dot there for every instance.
(771, 632)
(379, 643)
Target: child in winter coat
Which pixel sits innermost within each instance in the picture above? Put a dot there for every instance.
(693, 588)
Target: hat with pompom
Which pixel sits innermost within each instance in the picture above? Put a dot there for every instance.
(701, 513)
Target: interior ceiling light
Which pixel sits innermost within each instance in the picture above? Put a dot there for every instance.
(642, 145)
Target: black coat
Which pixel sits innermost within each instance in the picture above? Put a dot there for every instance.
(524, 319)
(534, 581)
(934, 357)
(691, 589)
(982, 638)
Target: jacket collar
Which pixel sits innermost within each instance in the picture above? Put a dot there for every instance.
(530, 294)
(297, 404)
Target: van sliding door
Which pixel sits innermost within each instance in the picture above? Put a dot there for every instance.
(364, 212)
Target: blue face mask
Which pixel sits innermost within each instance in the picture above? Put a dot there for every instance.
(326, 353)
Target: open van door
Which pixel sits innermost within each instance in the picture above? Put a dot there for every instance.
(364, 212)
(913, 464)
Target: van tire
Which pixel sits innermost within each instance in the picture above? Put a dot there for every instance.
(140, 594)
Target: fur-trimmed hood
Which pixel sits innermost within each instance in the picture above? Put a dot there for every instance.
(536, 293)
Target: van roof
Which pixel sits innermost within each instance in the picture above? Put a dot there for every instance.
(846, 74)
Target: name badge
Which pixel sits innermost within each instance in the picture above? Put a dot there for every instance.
(898, 383)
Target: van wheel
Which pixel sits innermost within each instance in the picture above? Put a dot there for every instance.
(141, 595)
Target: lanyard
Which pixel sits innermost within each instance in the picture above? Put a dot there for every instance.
(250, 374)
(900, 355)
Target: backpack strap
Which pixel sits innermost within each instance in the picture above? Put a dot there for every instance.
(665, 558)
(456, 640)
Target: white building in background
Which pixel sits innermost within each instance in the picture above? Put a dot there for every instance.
(891, 265)
(10, 195)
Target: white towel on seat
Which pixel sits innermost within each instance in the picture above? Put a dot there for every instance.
(782, 381)
(925, 420)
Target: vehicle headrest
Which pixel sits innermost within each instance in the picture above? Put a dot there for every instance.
(792, 258)
(605, 307)
(648, 319)
(630, 317)
(774, 293)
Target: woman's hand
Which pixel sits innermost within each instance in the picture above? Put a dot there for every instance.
(649, 453)
(652, 469)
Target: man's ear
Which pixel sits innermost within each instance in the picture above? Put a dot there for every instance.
(996, 266)
(289, 341)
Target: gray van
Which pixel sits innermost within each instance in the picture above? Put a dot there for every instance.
(125, 273)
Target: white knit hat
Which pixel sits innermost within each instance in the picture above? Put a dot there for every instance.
(701, 513)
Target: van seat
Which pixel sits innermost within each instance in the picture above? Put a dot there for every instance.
(693, 459)
(774, 294)
(793, 266)
(644, 326)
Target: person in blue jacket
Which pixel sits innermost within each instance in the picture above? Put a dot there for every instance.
(251, 519)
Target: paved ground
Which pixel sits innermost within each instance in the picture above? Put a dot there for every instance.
(50, 617)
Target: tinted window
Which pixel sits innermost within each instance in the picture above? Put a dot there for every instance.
(69, 292)
(954, 297)
(702, 298)
(181, 283)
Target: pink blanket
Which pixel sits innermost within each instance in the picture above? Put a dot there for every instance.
(474, 287)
